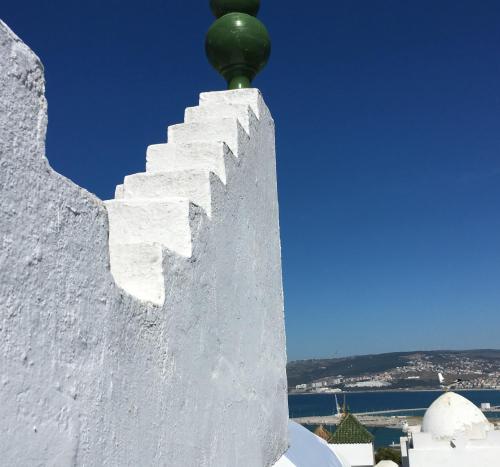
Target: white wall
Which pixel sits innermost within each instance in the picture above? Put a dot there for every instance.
(358, 455)
(424, 451)
(192, 373)
(489, 457)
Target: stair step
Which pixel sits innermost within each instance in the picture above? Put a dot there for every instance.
(138, 269)
(119, 192)
(209, 112)
(164, 222)
(174, 157)
(193, 184)
(216, 130)
(251, 97)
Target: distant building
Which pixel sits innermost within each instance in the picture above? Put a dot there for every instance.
(333, 381)
(301, 386)
(352, 442)
(329, 390)
(319, 384)
(369, 384)
(454, 433)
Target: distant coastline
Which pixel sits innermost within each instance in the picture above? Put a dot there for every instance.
(367, 391)
(398, 371)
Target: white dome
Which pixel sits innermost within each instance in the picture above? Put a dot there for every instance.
(452, 415)
(307, 449)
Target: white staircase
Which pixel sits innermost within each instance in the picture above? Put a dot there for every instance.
(151, 210)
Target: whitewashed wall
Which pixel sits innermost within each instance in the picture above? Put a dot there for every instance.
(357, 455)
(467, 457)
(422, 450)
(91, 375)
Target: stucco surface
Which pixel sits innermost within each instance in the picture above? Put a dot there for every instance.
(91, 375)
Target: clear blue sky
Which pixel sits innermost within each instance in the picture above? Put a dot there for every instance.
(388, 133)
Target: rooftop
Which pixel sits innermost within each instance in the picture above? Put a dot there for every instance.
(351, 431)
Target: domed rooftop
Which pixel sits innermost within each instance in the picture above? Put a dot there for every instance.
(452, 415)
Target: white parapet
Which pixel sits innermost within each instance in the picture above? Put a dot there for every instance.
(218, 130)
(146, 330)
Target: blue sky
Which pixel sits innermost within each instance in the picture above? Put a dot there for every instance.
(388, 136)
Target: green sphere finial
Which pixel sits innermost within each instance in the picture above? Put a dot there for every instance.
(238, 44)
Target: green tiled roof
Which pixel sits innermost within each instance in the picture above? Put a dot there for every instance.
(350, 431)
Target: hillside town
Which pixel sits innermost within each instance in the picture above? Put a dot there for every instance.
(419, 372)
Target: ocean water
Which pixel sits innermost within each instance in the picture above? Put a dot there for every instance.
(324, 404)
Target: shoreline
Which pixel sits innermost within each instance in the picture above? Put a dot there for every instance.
(387, 391)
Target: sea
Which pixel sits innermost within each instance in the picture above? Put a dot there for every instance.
(304, 405)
